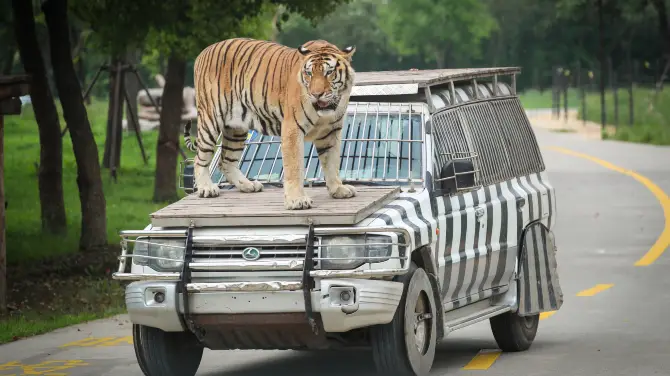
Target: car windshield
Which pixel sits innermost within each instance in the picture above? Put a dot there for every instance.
(380, 144)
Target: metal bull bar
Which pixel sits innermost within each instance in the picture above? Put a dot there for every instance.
(186, 287)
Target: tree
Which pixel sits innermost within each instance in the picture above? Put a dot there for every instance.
(50, 175)
(352, 23)
(441, 31)
(117, 37)
(89, 180)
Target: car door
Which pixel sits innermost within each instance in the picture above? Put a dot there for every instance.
(475, 221)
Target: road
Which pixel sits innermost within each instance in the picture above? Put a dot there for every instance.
(614, 320)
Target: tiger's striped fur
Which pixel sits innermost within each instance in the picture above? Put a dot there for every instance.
(299, 94)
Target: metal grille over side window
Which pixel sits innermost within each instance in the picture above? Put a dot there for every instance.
(487, 142)
(524, 154)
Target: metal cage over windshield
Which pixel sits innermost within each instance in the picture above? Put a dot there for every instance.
(381, 142)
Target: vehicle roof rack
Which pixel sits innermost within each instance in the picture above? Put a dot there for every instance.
(429, 77)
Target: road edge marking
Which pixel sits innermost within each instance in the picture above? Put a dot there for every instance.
(483, 360)
(596, 289)
(547, 314)
(663, 240)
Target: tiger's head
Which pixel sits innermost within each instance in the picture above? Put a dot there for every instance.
(326, 74)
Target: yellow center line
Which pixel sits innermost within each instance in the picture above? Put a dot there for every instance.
(663, 241)
(595, 289)
(546, 315)
(483, 360)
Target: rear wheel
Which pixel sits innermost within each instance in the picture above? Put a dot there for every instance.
(406, 345)
(161, 353)
(513, 332)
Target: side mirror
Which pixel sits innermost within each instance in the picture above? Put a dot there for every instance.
(457, 175)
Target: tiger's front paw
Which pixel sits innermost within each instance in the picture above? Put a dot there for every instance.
(208, 190)
(342, 191)
(298, 203)
(251, 186)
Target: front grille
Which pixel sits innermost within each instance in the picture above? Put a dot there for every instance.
(278, 252)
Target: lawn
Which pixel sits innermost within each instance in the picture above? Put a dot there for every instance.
(651, 123)
(51, 284)
(534, 99)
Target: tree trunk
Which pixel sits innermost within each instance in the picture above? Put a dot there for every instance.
(165, 184)
(439, 58)
(9, 63)
(663, 26)
(89, 181)
(3, 238)
(601, 58)
(114, 112)
(133, 88)
(50, 176)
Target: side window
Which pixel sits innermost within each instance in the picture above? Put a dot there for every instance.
(524, 153)
(487, 142)
(469, 136)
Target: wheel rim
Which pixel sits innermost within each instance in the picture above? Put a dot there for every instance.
(529, 321)
(422, 324)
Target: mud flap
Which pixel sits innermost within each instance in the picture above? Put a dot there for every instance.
(538, 282)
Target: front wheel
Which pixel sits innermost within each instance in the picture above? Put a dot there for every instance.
(513, 332)
(406, 345)
(161, 353)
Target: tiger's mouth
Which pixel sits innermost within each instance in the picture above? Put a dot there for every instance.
(322, 106)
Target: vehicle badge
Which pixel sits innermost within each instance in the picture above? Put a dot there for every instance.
(251, 254)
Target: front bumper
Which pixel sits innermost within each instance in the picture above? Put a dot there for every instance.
(369, 302)
(344, 299)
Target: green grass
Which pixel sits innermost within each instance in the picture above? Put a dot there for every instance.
(128, 201)
(54, 297)
(651, 123)
(57, 303)
(26, 326)
(533, 99)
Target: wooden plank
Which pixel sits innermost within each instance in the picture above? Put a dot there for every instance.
(14, 86)
(10, 106)
(234, 208)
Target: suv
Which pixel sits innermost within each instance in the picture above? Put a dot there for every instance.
(452, 225)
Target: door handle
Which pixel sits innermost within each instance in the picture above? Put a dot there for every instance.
(479, 211)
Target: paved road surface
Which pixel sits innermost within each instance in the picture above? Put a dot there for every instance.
(620, 326)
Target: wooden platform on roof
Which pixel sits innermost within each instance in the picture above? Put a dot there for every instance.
(266, 208)
(428, 77)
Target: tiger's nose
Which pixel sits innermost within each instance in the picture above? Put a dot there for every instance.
(318, 95)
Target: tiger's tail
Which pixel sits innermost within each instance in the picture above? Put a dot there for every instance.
(191, 145)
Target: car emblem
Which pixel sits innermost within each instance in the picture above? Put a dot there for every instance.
(251, 254)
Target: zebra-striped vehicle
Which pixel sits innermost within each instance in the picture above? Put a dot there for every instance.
(451, 225)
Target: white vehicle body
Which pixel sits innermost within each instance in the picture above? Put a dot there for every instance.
(481, 237)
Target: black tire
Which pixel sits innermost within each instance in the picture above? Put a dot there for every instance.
(513, 332)
(162, 353)
(394, 346)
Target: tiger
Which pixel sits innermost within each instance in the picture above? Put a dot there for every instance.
(300, 94)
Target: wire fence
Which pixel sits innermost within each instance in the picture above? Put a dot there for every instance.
(632, 90)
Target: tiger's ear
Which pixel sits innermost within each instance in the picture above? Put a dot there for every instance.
(348, 51)
(303, 50)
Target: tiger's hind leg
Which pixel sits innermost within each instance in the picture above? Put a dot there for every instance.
(206, 145)
(232, 145)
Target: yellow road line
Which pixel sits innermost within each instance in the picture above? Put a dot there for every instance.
(546, 315)
(595, 289)
(663, 241)
(483, 360)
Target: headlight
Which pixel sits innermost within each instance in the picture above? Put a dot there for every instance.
(350, 252)
(169, 248)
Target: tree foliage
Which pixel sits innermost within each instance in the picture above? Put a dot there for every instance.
(440, 31)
